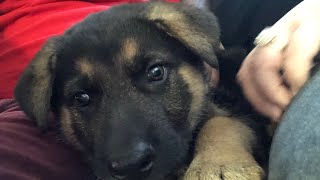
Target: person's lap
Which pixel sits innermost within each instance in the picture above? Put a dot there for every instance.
(26, 153)
(296, 145)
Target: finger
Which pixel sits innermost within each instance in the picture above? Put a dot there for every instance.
(268, 80)
(303, 47)
(263, 65)
(258, 101)
(270, 85)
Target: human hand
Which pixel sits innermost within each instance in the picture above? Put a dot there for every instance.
(274, 72)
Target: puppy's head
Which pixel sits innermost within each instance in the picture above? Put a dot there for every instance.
(127, 86)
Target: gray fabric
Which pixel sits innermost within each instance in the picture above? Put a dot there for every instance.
(295, 152)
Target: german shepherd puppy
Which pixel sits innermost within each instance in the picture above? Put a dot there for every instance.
(129, 90)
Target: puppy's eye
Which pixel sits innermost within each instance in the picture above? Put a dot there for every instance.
(82, 99)
(156, 73)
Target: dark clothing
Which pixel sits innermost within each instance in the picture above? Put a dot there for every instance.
(242, 20)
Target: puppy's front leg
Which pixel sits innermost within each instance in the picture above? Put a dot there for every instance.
(224, 151)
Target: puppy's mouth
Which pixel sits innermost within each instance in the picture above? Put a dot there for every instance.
(148, 170)
(148, 173)
(138, 165)
(147, 163)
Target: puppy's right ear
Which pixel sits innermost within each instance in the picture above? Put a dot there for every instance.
(197, 29)
(34, 88)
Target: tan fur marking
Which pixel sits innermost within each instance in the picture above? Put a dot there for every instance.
(129, 49)
(66, 124)
(197, 88)
(43, 77)
(85, 67)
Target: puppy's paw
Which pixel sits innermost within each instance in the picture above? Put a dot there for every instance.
(207, 169)
(242, 172)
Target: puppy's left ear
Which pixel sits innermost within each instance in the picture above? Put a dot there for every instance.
(34, 88)
(196, 28)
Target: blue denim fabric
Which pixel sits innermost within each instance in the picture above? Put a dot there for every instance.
(295, 152)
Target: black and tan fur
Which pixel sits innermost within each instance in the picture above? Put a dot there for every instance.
(108, 57)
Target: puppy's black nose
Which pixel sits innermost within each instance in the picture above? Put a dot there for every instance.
(137, 164)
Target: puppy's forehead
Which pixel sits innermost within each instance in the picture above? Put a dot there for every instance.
(124, 47)
(125, 55)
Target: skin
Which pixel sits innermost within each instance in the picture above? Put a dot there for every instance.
(271, 75)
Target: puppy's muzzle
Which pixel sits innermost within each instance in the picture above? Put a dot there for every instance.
(137, 164)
